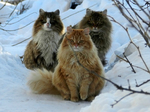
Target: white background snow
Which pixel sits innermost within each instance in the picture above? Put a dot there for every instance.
(15, 96)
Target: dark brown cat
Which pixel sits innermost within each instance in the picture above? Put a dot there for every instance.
(41, 50)
(100, 33)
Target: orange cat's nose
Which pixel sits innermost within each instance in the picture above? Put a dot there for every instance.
(76, 45)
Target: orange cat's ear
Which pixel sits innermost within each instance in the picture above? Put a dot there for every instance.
(86, 31)
(69, 29)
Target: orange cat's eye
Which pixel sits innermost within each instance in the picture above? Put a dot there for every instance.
(81, 41)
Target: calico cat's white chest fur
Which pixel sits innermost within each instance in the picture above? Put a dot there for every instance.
(47, 43)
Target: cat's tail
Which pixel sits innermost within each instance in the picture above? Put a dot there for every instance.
(40, 82)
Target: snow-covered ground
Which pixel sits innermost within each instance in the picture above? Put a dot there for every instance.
(15, 96)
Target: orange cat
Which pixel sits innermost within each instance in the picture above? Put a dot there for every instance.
(70, 79)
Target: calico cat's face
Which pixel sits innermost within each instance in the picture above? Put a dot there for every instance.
(79, 39)
(95, 19)
(48, 21)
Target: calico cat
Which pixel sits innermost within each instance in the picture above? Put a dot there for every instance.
(70, 79)
(100, 33)
(41, 50)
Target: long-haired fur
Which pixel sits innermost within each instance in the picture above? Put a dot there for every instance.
(100, 33)
(41, 50)
(40, 82)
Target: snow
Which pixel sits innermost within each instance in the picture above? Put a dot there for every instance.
(5, 11)
(15, 96)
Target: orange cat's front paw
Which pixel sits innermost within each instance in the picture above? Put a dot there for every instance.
(90, 98)
(83, 96)
(66, 97)
(74, 99)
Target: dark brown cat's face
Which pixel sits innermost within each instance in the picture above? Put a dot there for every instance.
(79, 39)
(95, 20)
(48, 21)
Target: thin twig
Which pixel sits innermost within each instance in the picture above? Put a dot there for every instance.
(18, 20)
(141, 56)
(78, 12)
(117, 101)
(4, 5)
(141, 83)
(129, 63)
(22, 41)
(17, 28)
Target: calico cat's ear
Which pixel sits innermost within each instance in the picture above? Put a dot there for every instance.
(88, 11)
(57, 12)
(69, 29)
(86, 31)
(41, 11)
(105, 12)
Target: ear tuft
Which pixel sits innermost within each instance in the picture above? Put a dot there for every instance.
(105, 12)
(88, 11)
(57, 12)
(69, 29)
(41, 11)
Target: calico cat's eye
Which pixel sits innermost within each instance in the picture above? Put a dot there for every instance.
(43, 21)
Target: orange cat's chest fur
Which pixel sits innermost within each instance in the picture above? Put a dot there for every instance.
(73, 69)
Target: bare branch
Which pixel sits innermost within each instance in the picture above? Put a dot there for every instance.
(129, 63)
(22, 41)
(78, 12)
(18, 20)
(142, 83)
(117, 101)
(132, 21)
(4, 5)
(17, 28)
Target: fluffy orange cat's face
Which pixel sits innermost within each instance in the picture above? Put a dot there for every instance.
(79, 39)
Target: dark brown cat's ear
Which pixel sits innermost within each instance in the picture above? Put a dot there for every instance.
(41, 11)
(86, 31)
(88, 11)
(105, 12)
(69, 29)
(57, 12)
